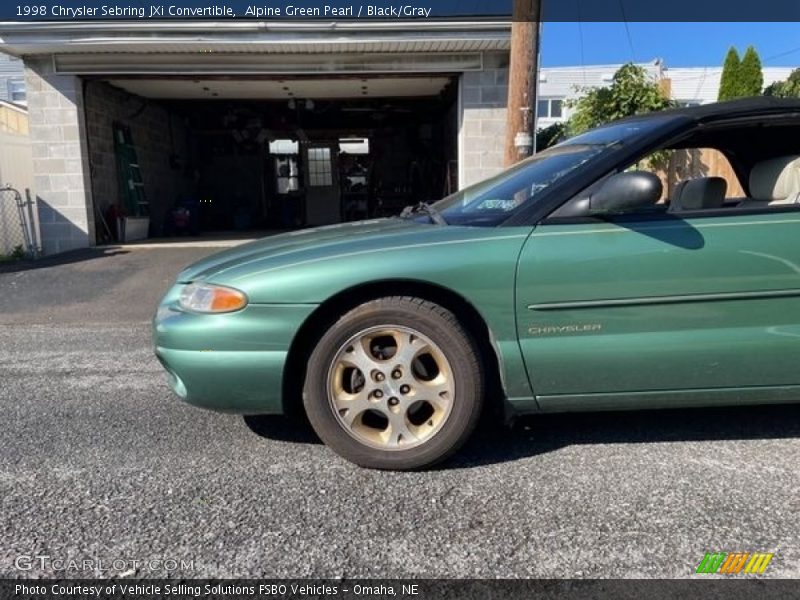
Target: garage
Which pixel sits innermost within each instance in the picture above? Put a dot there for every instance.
(231, 128)
(229, 155)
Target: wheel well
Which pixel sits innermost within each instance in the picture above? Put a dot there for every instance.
(336, 306)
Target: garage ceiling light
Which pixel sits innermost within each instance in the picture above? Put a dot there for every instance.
(260, 89)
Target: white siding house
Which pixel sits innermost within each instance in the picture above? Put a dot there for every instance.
(12, 79)
(688, 85)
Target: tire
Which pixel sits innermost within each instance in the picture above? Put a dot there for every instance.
(396, 383)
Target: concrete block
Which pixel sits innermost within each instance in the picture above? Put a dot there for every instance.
(74, 216)
(42, 133)
(57, 116)
(472, 157)
(73, 166)
(48, 99)
(492, 127)
(76, 199)
(73, 151)
(493, 95)
(471, 79)
(57, 199)
(48, 165)
(75, 181)
(33, 83)
(471, 127)
(41, 183)
(70, 132)
(58, 182)
(59, 230)
(488, 77)
(49, 245)
(39, 150)
(491, 160)
(46, 212)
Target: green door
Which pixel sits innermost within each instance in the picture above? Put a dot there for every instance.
(661, 310)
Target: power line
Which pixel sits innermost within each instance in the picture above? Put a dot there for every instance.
(580, 38)
(781, 54)
(627, 30)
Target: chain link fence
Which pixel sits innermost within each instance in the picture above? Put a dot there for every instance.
(16, 224)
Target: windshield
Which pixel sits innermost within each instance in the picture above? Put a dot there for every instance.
(492, 201)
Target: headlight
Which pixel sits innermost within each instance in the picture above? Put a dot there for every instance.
(207, 298)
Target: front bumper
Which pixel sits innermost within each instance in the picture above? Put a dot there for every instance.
(230, 362)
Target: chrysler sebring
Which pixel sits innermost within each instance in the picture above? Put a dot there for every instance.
(653, 262)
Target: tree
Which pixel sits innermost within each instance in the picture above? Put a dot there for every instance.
(785, 89)
(728, 82)
(549, 136)
(751, 79)
(631, 92)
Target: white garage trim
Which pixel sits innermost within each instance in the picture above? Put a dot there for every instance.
(203, 63)
(21, 39)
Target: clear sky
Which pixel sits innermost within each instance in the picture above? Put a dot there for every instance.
(679, 44)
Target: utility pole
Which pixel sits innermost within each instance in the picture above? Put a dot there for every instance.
(522, 80)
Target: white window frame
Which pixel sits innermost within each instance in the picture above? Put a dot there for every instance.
(549, 100)
(17, 86)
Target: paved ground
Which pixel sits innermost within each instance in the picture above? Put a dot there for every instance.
(99, 461)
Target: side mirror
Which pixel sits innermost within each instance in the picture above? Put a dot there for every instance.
(626, 192)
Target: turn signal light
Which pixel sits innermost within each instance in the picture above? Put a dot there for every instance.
(208, 298)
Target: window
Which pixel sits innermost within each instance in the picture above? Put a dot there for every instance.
(16, 91)
(283, 147)
(490, 202)
(285, 157)
(550, 108)
(319, 167)
(674, 167)
(354, 146)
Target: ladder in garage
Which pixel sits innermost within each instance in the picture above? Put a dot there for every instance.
(129, 172)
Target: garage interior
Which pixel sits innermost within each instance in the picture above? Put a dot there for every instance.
(228, 155)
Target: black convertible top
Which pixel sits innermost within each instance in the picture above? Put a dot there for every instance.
(743, 107)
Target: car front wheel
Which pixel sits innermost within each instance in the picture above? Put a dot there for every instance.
(395, 383)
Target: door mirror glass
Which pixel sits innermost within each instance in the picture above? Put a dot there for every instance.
(626, 192)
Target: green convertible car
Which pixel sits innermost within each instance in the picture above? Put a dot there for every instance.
(653, 262)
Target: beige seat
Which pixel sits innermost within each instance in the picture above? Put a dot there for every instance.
(699, 194)
(774, 182)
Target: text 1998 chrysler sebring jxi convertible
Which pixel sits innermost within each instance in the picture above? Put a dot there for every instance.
(653, 262)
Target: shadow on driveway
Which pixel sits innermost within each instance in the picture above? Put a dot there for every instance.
(532, 435)
(65, 258)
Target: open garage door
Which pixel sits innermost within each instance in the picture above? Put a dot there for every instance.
(235, 154)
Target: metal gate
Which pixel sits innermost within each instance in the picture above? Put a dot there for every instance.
(16, 224)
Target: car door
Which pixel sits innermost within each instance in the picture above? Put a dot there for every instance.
(661, 309)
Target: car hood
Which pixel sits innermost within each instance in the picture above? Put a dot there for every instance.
(288, 246)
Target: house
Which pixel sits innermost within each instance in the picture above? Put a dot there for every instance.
(254, 124)
(688, 86)
(12, 80)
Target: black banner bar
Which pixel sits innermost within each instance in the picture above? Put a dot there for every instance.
(710, 588)
(394, 10)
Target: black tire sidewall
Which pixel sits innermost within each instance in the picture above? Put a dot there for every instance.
(442, 328)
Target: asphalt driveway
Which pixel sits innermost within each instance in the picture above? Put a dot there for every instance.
(99, 462)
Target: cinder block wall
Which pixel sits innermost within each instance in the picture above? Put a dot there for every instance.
(61, 183)
(484, 97)
(150, 124)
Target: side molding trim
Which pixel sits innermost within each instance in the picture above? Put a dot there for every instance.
(653, 300)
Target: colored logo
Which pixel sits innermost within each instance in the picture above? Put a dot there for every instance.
(734, 562)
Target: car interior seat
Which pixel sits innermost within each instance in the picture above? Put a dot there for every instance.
(699, 194)
(774, 182)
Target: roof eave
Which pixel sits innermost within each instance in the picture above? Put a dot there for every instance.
(21, 39)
